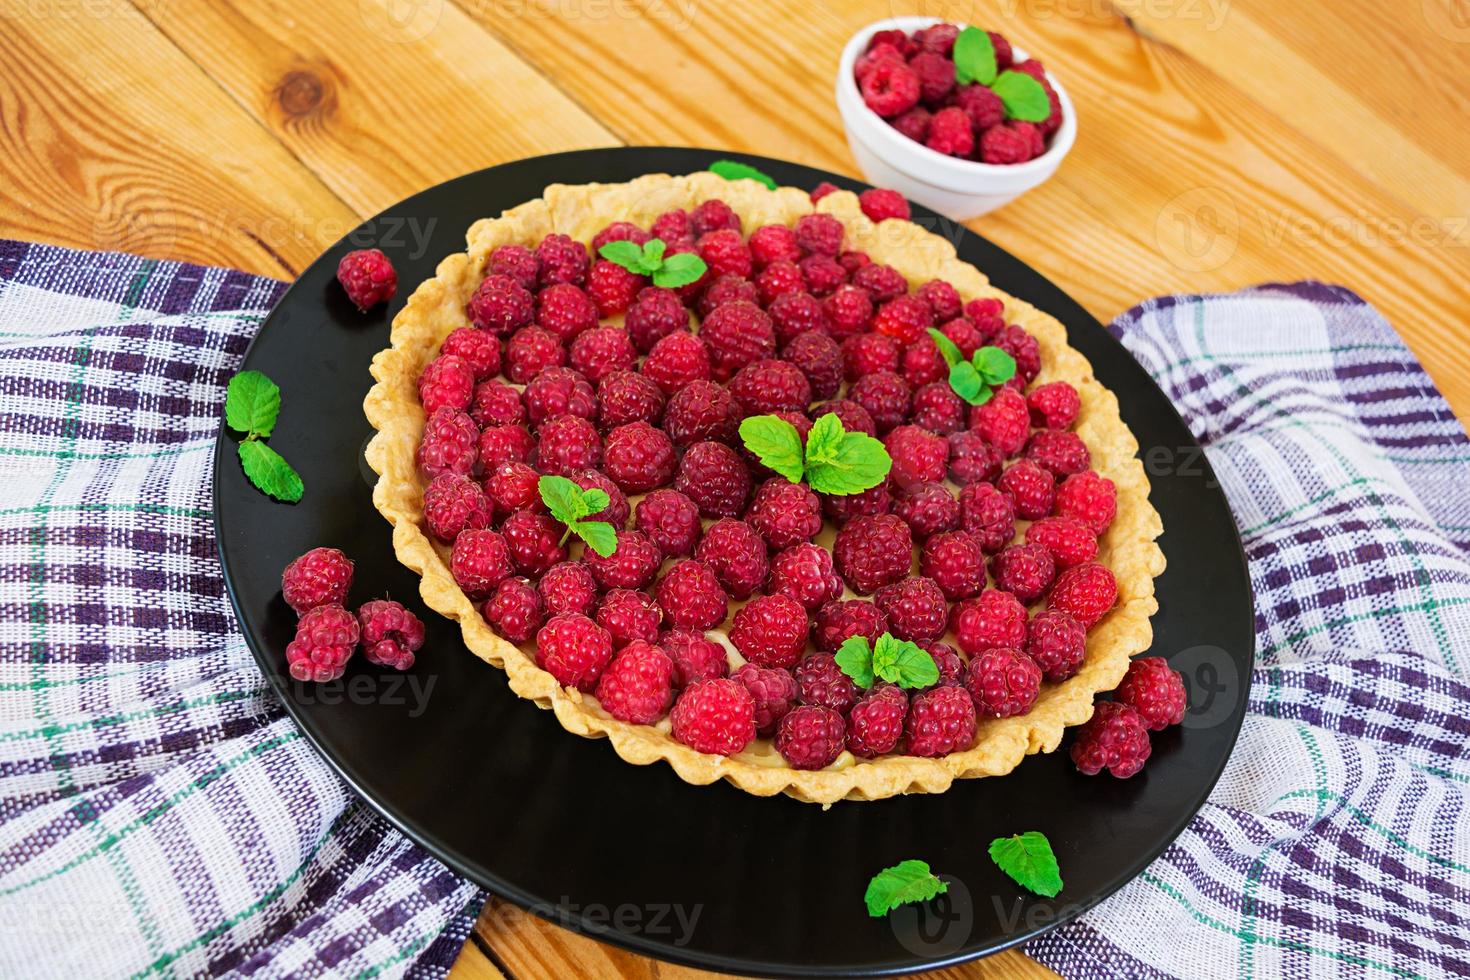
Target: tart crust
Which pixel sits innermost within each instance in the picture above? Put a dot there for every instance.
(437, 307)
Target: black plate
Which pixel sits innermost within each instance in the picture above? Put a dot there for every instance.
(632, 855)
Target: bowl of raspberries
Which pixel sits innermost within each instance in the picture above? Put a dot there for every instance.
(954, 117)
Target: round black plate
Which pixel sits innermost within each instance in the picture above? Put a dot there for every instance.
(705, 875)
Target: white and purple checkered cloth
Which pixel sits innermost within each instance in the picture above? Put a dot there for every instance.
(159, 814)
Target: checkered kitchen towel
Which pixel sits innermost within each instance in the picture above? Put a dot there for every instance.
(159, 814)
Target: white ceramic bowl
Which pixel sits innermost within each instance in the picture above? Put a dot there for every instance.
(960, 189)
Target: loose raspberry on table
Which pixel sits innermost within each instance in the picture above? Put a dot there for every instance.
(480, 561)
(1063, 453)
(1089, 498)
(1087, 592)
(677, 360)
(574, 650)
(1015, 341)
(905, 318)
(715, 477)
(875, 723)
(774, 692)
(725, 253)
(950, 133)
(516, 262)
(1115, 739)
(841, 619)
(670, 520)
(637, 686)
(713, 215)
(632, 566)
(726, 289)
(531, 351)
(714, 716)
(988, 516)
(627, 396)
(922, 366)
(559, 391)
(628, 615)
(871, 552)
(1002, 682)
(560, 259)
(568, 443)
(819, 234)
(866, 353)
(915, 608)
(773, 243)
(1005, 143)
(737, 334)
(928, 509)
(737, 554)
(1004, 421)
(981, 106)
(854, 417)
(613, 288)
(505, 444)
(672, 226)
(452, 502)
(638, 457)
(501, 306)
(450, 444)
(512, 487)
(779, 279)
(368, 277)
(325, 638)
(568, 588)
(1054, 405)
(691, 596)
(496, 403)
(320, 577)
(804, 573)
(534, 541)
(890, 88)
(785, 513)
(619, 231)
(1069, 541)
(1031, 489)
(954, 560)
(768, 386)
(883, 283)
(880, 204)
(885, 396)
(810, 736)
(940, 721)
(1024, 570)
(566, 311)
(871, 502)
(819, 359)
(478, 348)
(822, 274)
(820, 681)
(516, 611)
(617, 510)
(919, 456)
(696, 657)
(991, 619)
(1058, 644)
(849, 310)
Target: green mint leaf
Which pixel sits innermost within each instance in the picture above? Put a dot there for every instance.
(824, 440)
(952, 355)
(974, 57)
(967, 383)
(775, 442)
(653, 255)
(861, 463)
(903, 662)
(905, 882)
(1029, 860)
(855, 657)
(270, 473)
(252, 403)
(600, 536)
(1022, 96)
(735, 170)
(626, 254)
(679, 270)
(563, 498)
(994, 365)
(594, 500)
(985, 395)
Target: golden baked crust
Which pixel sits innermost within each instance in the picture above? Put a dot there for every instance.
(437, 307)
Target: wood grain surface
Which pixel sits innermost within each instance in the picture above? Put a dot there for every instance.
(1220, 143)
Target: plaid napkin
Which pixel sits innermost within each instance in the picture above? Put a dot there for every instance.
(159, 813)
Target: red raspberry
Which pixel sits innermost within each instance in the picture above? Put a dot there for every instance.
(942, 299)
(956, 562)
(822, 274)
(914, 124)
(516, 610)
(985, 308)
(1155, 690)
(612, 287)
(515, 262)
(793, 314)
(637, 687)
(1052, 122)
(531, 351)
(854, 417)
(867, 353)
(774, 691)
(677, 360)
(1087, 592)
(1054, 405)
(1069, 541)
(885, 396)
(890, 88)
(875, 723)
(691, 596)
(713, 215)
(670, 520)
(715, 477)
(950, 133)
(656, 313)
(452, 502)
(928, 509)
(505, 444)
(820, 681)
(988, 516)
(320, 577)
(871, 552)
(936, 76)
(619, 231)
(616, 511)
(785, 513)
(982, 107)
(1031, 489)
(773, 243)
(481, 560)
(883, 283)
(672, 226)
(849, 310)
(477, 348)
(1016, 342)
(819, 234)
(450, 444)
(951, 667)
(823, 189)
(777, 280)
(726, 289)
(1057, 643)
(628, 615)
(819, 359)
(714, 716)
(565, 310)
(922, 366)
(559, 391)
(601, 351)
(561, 259)
(810, 737)
(905, 318)
(496, 403)
(737, 334)
(1063, 453)
(879, 204)
(1002, 682)
(842, 619)
(534, 541)
(639, 457)
(574, 650)
(1090, 498)
(1004, 421)
(632, 566)
(568, 588)
(971, 458)
(500, 305)
(991, 619)
(696, 657)
(940, 721)
(1005, 143)
(876, 55)
(870, 503)
(725, 253)
(627, 396)
(325, 638)
(512, 487)
(368, 277)
(769, 386)
(568, 443)
(965, 335)
(1003, 53)
(1024, 570)
(919, 456)
(938, 39)
(1115, 739)
(915, 609)
(804, 573)
(737, 555)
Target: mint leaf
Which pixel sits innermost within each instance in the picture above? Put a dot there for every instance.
(967, 383)
(974, 57)
(1022, 96)
(952, 354)
(905, 882)
(270, 473)
(595, 500)
(679, 270)
(775, 442)
(903, 662)
(600, 536)
(626, 254)
(735, 170)
(861, 463)
(855, 657)
(566, 501)
(252, 403)
(653, 253)
(994, 365)
(824, 441)
(1029, 860)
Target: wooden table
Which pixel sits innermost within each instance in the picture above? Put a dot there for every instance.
(1221, 143)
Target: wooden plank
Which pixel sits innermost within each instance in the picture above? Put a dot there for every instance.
(111, 138)
(473, 964)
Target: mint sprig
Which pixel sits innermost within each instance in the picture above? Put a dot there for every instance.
(252, 405)
(1022, 96)
(975, 380)
(569, 504)
(735, 170)
(901, 662)
(974, 57)
(833, 461)
(1030, 862)
(905, 882)
(649, 259)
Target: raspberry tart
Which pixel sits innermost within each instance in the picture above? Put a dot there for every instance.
(1006, 545)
